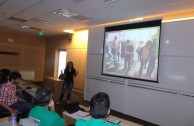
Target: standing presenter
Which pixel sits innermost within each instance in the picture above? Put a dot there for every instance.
(70, 72)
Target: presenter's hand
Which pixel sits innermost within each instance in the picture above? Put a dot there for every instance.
(75, 73)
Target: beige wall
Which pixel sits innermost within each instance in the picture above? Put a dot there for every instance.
(76, 52)
(30, 49)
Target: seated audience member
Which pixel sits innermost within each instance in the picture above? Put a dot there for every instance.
(8, 98)
(5, 71)
(4, 75)
(99, 110)
(44, 112)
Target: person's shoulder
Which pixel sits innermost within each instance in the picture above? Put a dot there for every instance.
(5, 85)
(111, 124)
(80, 122)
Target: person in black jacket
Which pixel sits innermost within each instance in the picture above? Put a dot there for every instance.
(70, 72)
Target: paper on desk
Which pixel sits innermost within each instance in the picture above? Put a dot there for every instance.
(82, 114)
(78, 115)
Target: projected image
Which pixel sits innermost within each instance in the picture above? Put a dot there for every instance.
(132, 53)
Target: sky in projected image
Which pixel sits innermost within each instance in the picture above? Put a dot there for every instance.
(132, 53)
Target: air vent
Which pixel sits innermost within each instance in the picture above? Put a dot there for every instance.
(8, 53)
(77, 1)
(81, 17)
(17, 19)
(34, 29)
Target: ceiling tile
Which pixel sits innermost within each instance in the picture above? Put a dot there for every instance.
(13, 7)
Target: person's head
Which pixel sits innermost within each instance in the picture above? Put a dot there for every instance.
(128, 42)
(115, 38)
(100, 105)
(69, 64)
(15, 77)
(4, 74)
(43, 96)
(148, 44)
(5, 71)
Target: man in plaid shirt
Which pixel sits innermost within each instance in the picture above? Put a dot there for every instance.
(8, 98)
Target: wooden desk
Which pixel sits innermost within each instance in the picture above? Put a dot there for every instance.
(5, 122)
(71, 120)
(24, 84)
(55, 84)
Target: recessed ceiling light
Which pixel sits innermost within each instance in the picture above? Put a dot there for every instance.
(23, 26)
(69, 31)
(65, 12)
(115, 2)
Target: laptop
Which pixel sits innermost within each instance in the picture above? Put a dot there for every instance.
(72, 107)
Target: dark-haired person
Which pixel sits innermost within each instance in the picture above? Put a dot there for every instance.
(4, 75)
(44, 113)
(129, 52)
(70, 72)
(99, 110)
(8, 98)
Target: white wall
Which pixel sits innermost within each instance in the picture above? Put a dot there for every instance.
(167, 103)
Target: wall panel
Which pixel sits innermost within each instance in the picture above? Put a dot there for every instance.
(30, 49)
(167, 103)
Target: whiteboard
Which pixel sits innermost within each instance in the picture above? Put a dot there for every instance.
(177, 38)
(27, 75)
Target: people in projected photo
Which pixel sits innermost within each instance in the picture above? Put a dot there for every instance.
(118, 48)
(129, 53)
(138, 50)
(107, 50)
(151, 57)
(143, 57)
(114, 50)
(123, 46)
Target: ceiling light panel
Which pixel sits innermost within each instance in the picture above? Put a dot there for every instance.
(64, 12)
(17, 19)
(115, 2)
(22, 26)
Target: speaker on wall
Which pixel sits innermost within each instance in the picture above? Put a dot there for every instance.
(69, 36)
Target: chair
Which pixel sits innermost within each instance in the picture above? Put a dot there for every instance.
(4, 112)
(27, 122)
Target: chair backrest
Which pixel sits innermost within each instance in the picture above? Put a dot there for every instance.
(27, 122)
(4, 112)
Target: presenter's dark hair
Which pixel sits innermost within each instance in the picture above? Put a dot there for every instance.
(4, 73)
(99, 105)
(14, 75)
(43, 95)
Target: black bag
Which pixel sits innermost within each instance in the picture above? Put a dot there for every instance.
(62, 76)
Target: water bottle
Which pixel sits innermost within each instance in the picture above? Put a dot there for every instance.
(13, 119)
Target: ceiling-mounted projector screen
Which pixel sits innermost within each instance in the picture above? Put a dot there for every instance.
(132, 51)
